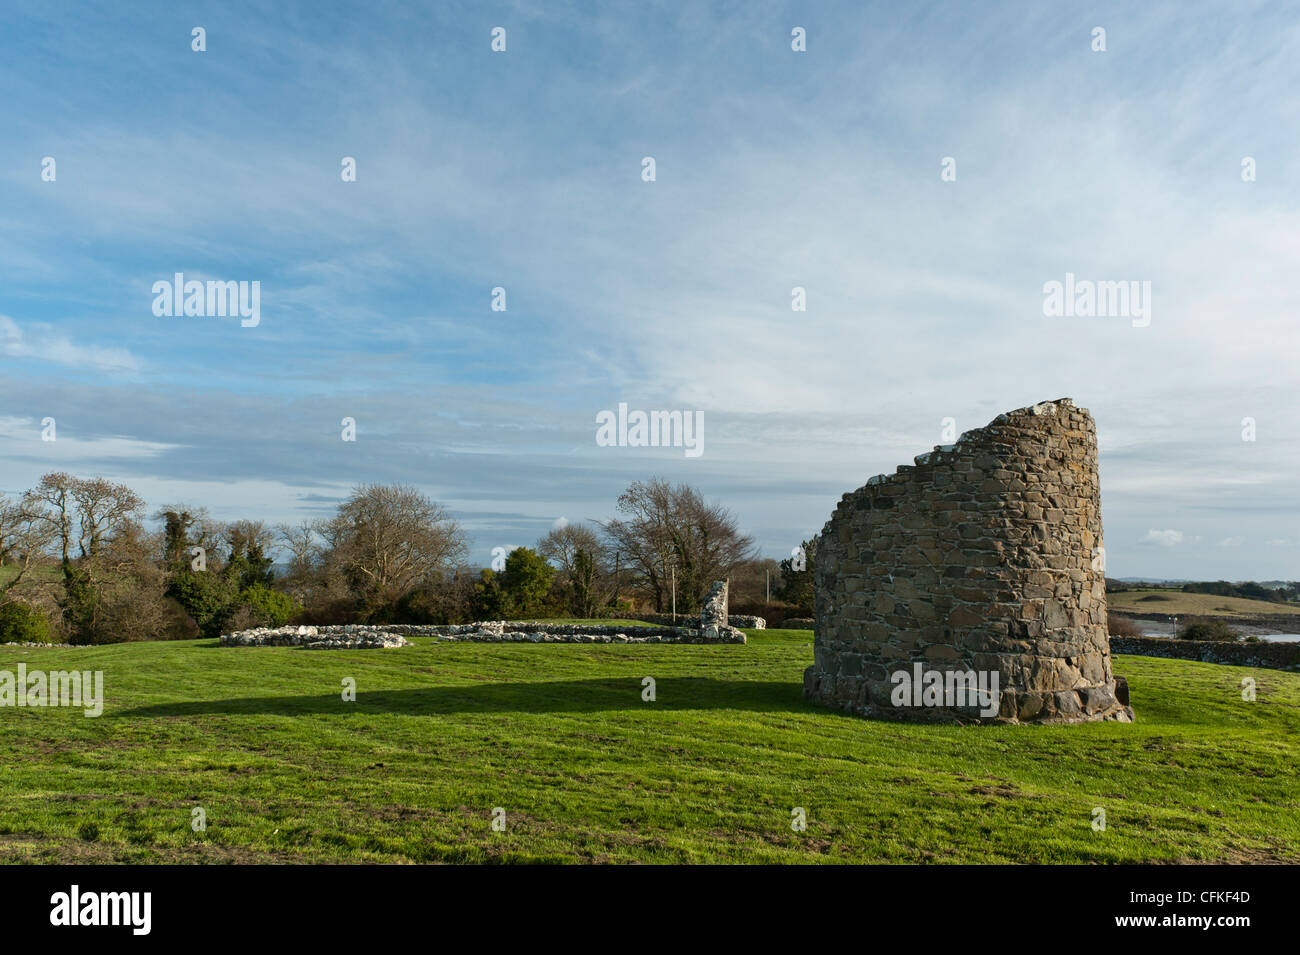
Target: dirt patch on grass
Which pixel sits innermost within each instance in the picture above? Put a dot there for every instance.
(26, 848)
(1004, 790)
(1250, 855)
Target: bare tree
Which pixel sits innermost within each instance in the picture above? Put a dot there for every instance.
(301, 542)
(125, 588)
(581, 557)
(386, 539)
(250, 535)
(560, 545)
(87, 511)
(25, 534)
(52, 497)
(104, 509)
(752, 579)
(100, 516)
(669, 531)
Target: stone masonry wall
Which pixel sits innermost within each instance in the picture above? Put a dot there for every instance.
(392, 635)
(686, 619)
(980, 559)
(1275, 656)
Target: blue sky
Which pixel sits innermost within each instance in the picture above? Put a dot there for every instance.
(775, 169)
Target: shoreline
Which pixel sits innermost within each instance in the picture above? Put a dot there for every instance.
(1161, 625)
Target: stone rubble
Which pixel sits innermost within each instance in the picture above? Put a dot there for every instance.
(343, 637)
(362, 636)
(16, 643)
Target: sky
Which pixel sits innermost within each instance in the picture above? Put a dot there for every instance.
(774, 169)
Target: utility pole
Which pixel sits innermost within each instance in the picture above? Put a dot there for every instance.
(674, 576)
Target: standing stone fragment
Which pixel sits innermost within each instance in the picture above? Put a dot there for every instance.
(713, 618)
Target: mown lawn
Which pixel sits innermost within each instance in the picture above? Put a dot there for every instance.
(560, 738)
(49, 573)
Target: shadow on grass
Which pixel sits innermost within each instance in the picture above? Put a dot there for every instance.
(567, 696)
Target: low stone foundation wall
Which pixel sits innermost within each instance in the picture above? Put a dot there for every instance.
(733, 620)
(42, 646)
(348, 637)
(386, 636)
(713, 628)
(542, 631)
(1273, 656)
(798, 623)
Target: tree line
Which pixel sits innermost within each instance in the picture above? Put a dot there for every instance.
(1278, 592)
(82, 560)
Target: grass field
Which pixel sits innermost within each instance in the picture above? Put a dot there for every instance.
(559, 737)
(1137, 602)
(48, 573)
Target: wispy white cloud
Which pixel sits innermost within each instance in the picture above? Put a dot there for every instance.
(1165, 538)
(40, 342)
(59, 443)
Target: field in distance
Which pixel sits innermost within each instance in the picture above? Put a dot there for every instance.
(1136, 603)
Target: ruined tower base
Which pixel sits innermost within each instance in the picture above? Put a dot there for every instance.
(971, 586)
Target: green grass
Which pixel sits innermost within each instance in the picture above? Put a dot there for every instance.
(47, 573)
(559, 737)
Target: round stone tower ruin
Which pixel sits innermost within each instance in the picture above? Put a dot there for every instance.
(971, 586)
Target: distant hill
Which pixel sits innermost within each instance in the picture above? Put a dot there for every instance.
(1138, 602)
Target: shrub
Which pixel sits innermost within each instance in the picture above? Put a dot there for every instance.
(239, 617)
(488, 601)
(1208, 630)
(419, 605)
(20, 623)
(774, 612)
(207, 597)
(624, 608)
(328, 610)
(132, 611)
(179, 624)
(526, 581)
(1121, 626)
(445, 602)
(272, 607)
